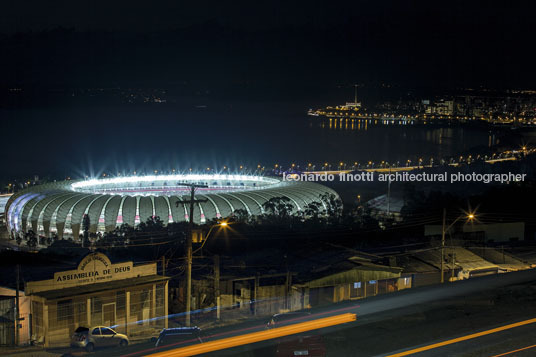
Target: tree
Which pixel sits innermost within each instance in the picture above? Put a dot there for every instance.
(241, 215)
(333, 205)
(31, 239)
(125, 230)
(278, 208)
(85, 228)
(152, 224)
(312, 210)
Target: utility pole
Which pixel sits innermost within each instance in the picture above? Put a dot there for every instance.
(443, 244)
(189, 257)
(17, 312)
(453, 264)
(288, 285)
(217, 285)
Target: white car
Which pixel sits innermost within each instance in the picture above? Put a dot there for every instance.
(99, 336)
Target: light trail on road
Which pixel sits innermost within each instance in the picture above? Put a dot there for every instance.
(258, 336)
(514, 351)
(463, 338)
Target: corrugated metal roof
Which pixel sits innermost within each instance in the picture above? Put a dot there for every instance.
(463, 258)
(503, 259)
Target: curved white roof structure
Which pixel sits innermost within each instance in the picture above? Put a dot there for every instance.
(58, 208)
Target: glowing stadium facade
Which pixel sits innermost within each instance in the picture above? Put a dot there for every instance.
(58, 208)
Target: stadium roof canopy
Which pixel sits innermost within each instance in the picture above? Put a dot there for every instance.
(58, 208)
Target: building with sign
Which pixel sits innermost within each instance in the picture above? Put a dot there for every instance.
(132, 299)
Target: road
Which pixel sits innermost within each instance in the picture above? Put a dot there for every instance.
(391, 324)
(393, 169)
(514, 340)
(439, 317)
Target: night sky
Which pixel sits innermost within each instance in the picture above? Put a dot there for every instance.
(211, 52)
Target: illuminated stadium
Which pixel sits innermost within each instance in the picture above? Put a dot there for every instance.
(58, 208)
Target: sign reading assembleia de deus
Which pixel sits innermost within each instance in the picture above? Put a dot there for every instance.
(94, 267)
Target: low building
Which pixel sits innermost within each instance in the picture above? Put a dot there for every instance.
(8, 310)
(506, 261)
(131, 299)
(459, 263)
(386, 207)
(325, 278)
(354, 278)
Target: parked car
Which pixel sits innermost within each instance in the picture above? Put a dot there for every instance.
(179, 336)
(99, 336)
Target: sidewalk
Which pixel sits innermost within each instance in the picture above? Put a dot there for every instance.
(27, 351)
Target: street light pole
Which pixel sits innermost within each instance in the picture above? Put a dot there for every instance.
(443, 246)
(444, 230)
(217, 285)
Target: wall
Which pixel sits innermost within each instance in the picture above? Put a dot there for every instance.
(24, 306)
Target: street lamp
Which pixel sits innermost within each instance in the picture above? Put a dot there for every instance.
(469, 216)
(222, 224)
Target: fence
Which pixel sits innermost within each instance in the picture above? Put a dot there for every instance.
(234, 309)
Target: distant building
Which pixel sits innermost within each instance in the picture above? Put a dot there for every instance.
(498, 232)
(441, 107)
(488, 233)
(384, 206)
(3, 202)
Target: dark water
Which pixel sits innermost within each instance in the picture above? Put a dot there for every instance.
(87, 139)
